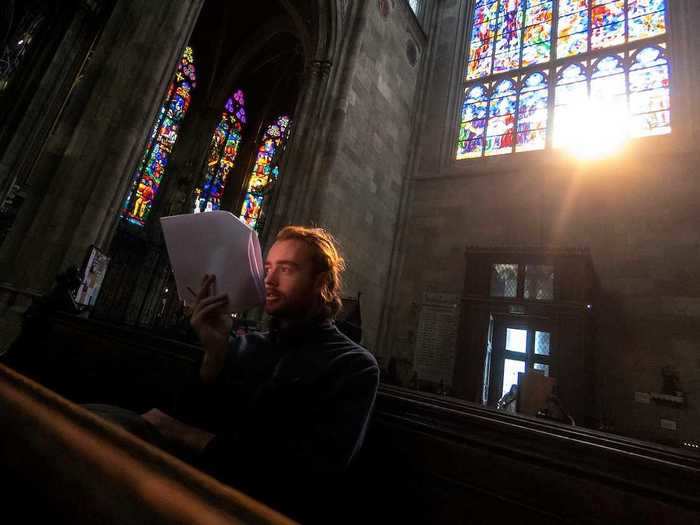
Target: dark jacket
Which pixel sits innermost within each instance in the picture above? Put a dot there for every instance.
(294, 408)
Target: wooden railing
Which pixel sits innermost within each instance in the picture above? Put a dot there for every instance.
(67, 463)
(454, 461)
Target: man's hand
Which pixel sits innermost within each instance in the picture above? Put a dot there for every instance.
(213, 325)
(177, 433)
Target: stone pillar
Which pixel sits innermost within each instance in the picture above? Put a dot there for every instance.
(302, 149)
(81, 176)
(70, 51)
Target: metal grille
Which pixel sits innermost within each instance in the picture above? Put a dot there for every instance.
(139, 289)
(539, 282)
(542, 343)
(504, 280)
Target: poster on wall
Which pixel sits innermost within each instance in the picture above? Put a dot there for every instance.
(93, 273)
(436, 340)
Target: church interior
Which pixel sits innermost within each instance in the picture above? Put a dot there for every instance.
(511, 185)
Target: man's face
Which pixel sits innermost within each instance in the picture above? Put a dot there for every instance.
(291, 289)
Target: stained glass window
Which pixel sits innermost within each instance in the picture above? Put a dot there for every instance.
(154, 162)
(649, 92)
(504, 116)
(528, 59)
(222, 154)
(265, 172)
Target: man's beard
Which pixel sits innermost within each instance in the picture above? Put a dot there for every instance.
(282, 308)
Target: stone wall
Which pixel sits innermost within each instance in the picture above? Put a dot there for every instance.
(636, 212)
(359, 196)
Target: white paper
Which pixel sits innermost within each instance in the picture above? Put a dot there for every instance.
(217, 243)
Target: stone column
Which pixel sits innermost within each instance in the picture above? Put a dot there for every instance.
(331, 100)
(70, 51)
(298, 158)
(82, 174)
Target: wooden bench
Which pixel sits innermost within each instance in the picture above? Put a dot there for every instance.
(427, 458)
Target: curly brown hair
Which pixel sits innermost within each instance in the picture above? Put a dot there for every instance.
(326, 260)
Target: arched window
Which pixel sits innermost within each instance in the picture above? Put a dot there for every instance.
(547, 72)
(222, 154)
(266, 172)
(151, 169)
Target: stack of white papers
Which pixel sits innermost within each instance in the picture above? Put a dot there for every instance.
(215, 243)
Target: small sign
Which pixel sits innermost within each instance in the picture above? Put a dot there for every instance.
(92, 276)
(436, 340)
(669, 424)
(642, 397)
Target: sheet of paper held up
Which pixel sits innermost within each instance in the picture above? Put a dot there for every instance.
(218, 243)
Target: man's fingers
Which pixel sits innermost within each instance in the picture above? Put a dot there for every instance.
(212, 308)
(204, 290)
(218, 300)
(212, 299)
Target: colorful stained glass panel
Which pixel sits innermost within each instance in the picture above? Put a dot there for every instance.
(499, 145)
(500, 127)
(572, 73)
(265, 172)
(572, 24)
(506, 61)
(537, 54)
(537, 34)
(532, 111)
(473, 124)
(658, 123)
(649, 101)
(508, 43)
(607, 36)
(510, 12)
(473, 110)
(507, 52)
(606, 14)
(473, 148)
(534, 82)
(149, 175)
(572, 45)
(478, 69)
(485, 12)
(472, 130)
(567, 7)
(643, 7)
(222, 155)
(649, 78)
(482, 40)
(647, 26)
(523, 38)
(649, 56)
(531, 140)
(539, 14)
(481, 50)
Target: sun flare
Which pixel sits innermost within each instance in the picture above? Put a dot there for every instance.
(593, 130)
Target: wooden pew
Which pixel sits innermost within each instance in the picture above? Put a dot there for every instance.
(428, 458)
(441, 460)
(62, 463)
